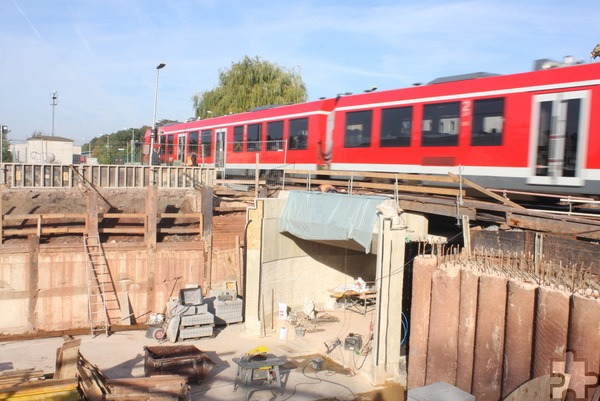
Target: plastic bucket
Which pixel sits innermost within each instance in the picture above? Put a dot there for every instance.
(300, 331)
(283, 332)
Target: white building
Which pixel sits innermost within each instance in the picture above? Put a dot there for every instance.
(45, 150)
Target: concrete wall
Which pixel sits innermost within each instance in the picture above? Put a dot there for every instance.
(324, 268)
(44, 288)
(284, 269)
(290, 266)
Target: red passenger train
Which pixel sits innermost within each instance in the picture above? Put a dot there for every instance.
(535, 131)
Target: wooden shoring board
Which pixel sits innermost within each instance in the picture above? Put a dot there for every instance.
(67, 358)
(63, 389)
(542, 388)
(11, 378)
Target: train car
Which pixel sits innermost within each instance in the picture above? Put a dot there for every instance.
(274, 136)
(537, 131)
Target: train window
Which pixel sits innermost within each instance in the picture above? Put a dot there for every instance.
(358, 129)
(206, 143)
(440, 124)
(238, 138)
(170, 141)
(488, 121)
(193, 143)
(396, 126)
(275, 135)
(298, 134)
(254, 131)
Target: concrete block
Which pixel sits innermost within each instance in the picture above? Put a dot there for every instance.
(195, 332)
(196, 320)
(187, 310)
(439, 392)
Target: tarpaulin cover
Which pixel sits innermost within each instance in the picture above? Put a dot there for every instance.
(330, 216)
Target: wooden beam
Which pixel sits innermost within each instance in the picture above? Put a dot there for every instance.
(557, 226)
(390, 187)
(64, 390)
(180, 230)
(11, 378)
(438, 209)
(485, 191)
(123, 230)
(44, 216)
(122, 215)
(180, 215)
(371, 174)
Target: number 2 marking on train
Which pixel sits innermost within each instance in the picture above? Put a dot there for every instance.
(466, 107)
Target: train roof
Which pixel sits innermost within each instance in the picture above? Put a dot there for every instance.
(553, 75)
(462, 77)
(261, 112)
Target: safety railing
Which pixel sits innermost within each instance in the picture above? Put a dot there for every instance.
(22, 175)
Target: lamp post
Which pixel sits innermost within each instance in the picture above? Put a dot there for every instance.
(53, 103)
(158, 68)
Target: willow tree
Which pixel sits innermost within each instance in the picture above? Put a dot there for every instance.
(248, 84)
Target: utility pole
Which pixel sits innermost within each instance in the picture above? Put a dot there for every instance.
(53, 103)
(3, 131)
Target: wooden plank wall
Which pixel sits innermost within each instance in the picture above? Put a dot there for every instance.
(508, 331)
(56, 298)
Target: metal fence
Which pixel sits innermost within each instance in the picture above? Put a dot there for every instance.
(21, 175)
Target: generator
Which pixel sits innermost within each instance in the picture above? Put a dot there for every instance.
(353, 342)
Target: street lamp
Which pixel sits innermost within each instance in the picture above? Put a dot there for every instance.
(53, 103)
(158, 68)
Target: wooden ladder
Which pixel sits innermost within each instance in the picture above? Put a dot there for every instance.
(103, 302)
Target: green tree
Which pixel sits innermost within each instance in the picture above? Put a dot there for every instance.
(248, 84)
(116, 147)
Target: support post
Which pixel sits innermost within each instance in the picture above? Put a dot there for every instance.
(150, 237)
(252, 280)
(256, 177)
(387, 362)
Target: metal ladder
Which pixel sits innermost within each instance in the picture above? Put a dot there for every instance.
(102, 297)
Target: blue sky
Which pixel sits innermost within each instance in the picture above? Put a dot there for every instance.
(100, 55)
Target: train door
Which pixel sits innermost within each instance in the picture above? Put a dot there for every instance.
(559, 138)
(220, 146)
(181, 148)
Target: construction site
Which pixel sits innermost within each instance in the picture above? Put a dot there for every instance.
(377, 287)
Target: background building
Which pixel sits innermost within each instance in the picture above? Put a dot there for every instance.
(46, 149)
